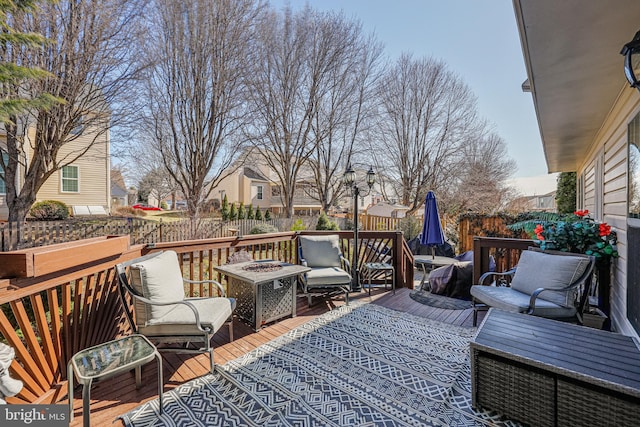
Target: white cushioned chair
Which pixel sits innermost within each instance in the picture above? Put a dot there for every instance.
(162, 313)
(329, 269)
(546, 284)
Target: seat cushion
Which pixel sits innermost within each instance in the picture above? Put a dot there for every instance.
(321, 251)
(539, 270)
(509, 299)
(213, 312)
(159, 279)
(327, 276)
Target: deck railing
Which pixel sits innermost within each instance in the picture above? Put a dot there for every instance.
(50, 317)
(506, 253)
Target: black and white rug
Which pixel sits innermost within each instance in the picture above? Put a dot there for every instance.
(361, 365)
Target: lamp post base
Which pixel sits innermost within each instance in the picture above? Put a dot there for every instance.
(355, 284)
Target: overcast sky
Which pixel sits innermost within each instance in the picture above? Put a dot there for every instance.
(478, 40)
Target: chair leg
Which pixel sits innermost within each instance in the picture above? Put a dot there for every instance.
(475, 316)
(212, 361)
(231, 330)
(346, 297)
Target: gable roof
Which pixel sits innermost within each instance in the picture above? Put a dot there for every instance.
(252, 174)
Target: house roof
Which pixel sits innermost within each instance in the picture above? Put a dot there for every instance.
(572, 55)
(251, 174)
(117, 191)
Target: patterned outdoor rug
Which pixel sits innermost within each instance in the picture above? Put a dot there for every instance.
(439, 301)
(354, 366)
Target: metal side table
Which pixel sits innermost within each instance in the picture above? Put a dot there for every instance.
(373, 267)
(109, 359)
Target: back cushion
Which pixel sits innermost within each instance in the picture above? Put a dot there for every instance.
(158, 279)
(321, 251)
(539, 270)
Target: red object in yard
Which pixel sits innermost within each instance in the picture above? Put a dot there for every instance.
(145, 207)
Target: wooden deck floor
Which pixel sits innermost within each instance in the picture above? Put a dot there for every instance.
(118, 395)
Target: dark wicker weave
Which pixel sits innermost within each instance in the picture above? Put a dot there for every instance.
(581, 405)
(543, 372)
(519, 393)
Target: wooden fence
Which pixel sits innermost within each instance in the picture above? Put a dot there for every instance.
(484, 226)
(14, 236)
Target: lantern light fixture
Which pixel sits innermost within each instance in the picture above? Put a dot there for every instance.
(631, 53)
(349, 180)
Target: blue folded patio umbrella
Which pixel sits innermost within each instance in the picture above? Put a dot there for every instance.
(432, 234)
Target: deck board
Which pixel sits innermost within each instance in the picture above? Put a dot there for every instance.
(118, 395)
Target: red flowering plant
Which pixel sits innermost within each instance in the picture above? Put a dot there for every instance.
(578, 234)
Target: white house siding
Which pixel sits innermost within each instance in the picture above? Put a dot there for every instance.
(610, 198)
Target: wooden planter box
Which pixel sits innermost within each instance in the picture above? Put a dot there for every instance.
(43, 260)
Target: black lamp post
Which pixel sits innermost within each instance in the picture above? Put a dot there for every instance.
(349, 179)
(631, 52)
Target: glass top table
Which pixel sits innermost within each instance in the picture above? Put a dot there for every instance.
(372, 267)
(108, 359)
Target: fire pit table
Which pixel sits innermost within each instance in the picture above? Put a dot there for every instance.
(264, 290)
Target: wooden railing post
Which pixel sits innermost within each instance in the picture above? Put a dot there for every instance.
(509, 250)
(397, 256)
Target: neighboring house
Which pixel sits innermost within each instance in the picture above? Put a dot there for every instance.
(258, 185)
(84, 185)
(589, 119)
(543, 203)
(391, 210)
(119, 196)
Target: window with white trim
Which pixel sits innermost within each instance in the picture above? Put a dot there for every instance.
(260, 193)
(70, 177)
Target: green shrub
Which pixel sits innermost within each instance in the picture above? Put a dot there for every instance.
(49, 210)
(263, 228)
(298, 225)
(267, 215)
(324, 223)
(224, 210)
(242, 213)
(233, 213)
(250, 214)
(258, 213)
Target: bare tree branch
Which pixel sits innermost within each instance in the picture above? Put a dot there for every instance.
(195, 89)
(87, 59)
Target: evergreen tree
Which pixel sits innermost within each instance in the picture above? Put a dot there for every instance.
(258, 213)
(267, 215)
(250, 214)
(233, 213)
(224, 210)
(12, 102)
(242, 213)
(566, 193)
(324, 223)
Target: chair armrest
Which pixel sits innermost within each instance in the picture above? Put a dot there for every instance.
(303, 262)
(187, 303)
(346, 264)
(215, 282)
(537, 292)
(503, 275)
